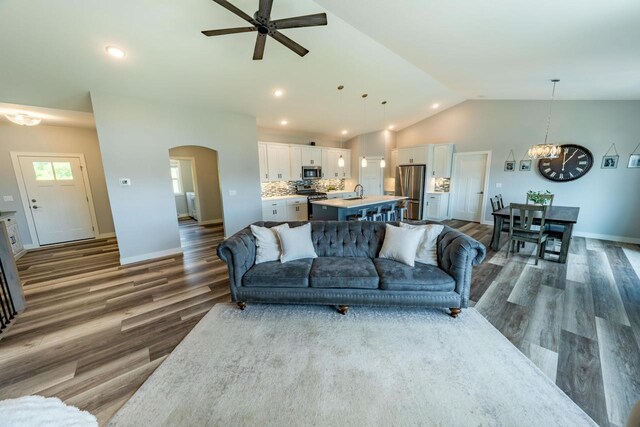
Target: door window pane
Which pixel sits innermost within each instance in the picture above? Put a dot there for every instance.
(62, 170)
(176, 178)
(44, 171)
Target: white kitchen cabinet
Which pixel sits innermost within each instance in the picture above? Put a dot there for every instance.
(262, 157)
(297, 211)
(278, 162)
(330, 168)
(441, 159)
(311, 156)
(437, 206)
(295, 156)
(274, 210)
(412, 156)
(345, 171)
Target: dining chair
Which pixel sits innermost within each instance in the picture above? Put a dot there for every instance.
(362, 216)
(525, 230)
(389, 212)
(402, 211)
(377, 214)
(495, 206)
(499, 201)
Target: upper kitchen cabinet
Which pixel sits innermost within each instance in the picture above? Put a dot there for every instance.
(330, 167)
(262, 157)
(278, 162)
(311, 156)
(441, 159)
(345, 171)
(295, 154)
(412, 156)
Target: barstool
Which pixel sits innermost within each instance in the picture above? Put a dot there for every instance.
(402, 211)
(378, 215)
(390, 212)
(362, 216)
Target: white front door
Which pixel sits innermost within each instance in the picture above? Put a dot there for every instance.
(371, 177)
(468, 186)
(57, 198)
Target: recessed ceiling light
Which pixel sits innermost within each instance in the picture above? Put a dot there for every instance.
(284, 122)
(435, 106)
(116, 52)
(391, 127)
(344, 132)
(23, 119)
(278, 93)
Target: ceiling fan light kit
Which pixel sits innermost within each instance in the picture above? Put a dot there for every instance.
(261, 23)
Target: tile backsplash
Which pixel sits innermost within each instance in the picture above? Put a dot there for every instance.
(285, 188)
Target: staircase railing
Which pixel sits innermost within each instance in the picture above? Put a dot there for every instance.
(11, 296)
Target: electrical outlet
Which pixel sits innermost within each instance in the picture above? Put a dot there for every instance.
(7, 198)
(498, 185)
(125, 182)
(233, 193)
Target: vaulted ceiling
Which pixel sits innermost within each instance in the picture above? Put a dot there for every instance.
(411, 53)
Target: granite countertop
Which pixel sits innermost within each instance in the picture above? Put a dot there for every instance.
(6, 214)
(348, 204)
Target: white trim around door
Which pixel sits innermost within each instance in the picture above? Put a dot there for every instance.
(17, 169)
(485, 191)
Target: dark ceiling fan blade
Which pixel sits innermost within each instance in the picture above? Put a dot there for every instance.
(289, 43)
(231, 8)
(258, 51)
(265, 9)
(301, 21)
(210, 33)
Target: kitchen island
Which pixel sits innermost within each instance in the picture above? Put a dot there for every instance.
(340, 209)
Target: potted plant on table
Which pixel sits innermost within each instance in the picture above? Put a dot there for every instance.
(539, 197)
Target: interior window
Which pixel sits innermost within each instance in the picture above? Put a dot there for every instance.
(176, 177)
(44, 171)
(62, 170)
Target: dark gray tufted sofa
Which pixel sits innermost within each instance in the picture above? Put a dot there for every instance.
(348, 272)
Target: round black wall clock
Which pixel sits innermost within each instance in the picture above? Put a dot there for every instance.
(573, 163)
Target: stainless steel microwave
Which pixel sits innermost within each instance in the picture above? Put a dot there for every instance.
(311, 172)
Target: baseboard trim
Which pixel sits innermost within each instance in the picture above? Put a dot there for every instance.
(609, 237)
(151, 255)
(210, 221)
(183, 216)
(106, 235)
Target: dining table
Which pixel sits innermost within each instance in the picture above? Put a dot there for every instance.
(565, 216)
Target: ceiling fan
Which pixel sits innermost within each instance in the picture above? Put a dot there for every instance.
(262, 23)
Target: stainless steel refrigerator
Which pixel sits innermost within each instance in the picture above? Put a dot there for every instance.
(410, 183)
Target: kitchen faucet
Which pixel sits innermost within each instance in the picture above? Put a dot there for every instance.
(361, 193)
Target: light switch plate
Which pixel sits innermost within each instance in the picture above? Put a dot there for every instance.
(7, 198)
(233, 193)
(125, 182)
(498, 185)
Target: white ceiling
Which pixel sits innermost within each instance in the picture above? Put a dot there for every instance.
(510, 49)
(413, 53)
(53, 56)
(49, 116)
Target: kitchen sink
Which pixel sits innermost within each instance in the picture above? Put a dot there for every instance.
(354, 198)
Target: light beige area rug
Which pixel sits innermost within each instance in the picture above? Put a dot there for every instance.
(274, 365)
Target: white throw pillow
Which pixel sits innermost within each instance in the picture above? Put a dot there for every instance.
(401, 244)
(296, 243)
(267, 242)
(427, 252)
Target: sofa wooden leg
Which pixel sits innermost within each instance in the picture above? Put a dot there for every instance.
(241, 305)
(342, 309)
(454, 312)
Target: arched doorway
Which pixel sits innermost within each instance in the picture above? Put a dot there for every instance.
(195, 183)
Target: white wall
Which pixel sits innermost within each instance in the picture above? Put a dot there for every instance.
(608, 199)
(135, 137)
(287, 136)
(374, 144)
(52, 139)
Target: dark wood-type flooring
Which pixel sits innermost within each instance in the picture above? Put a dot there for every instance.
(94, 330)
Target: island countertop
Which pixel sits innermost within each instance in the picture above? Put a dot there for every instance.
(357, 203)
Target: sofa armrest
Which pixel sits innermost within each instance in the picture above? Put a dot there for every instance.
(457, 254)
(239, 252)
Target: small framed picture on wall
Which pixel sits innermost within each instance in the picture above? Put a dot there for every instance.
(610, 162)
(525, 165)
(634, 161)
(510, 165)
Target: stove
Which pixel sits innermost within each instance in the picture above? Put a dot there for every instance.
(312, 194)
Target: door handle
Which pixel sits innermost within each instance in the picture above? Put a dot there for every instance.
(480, 192)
